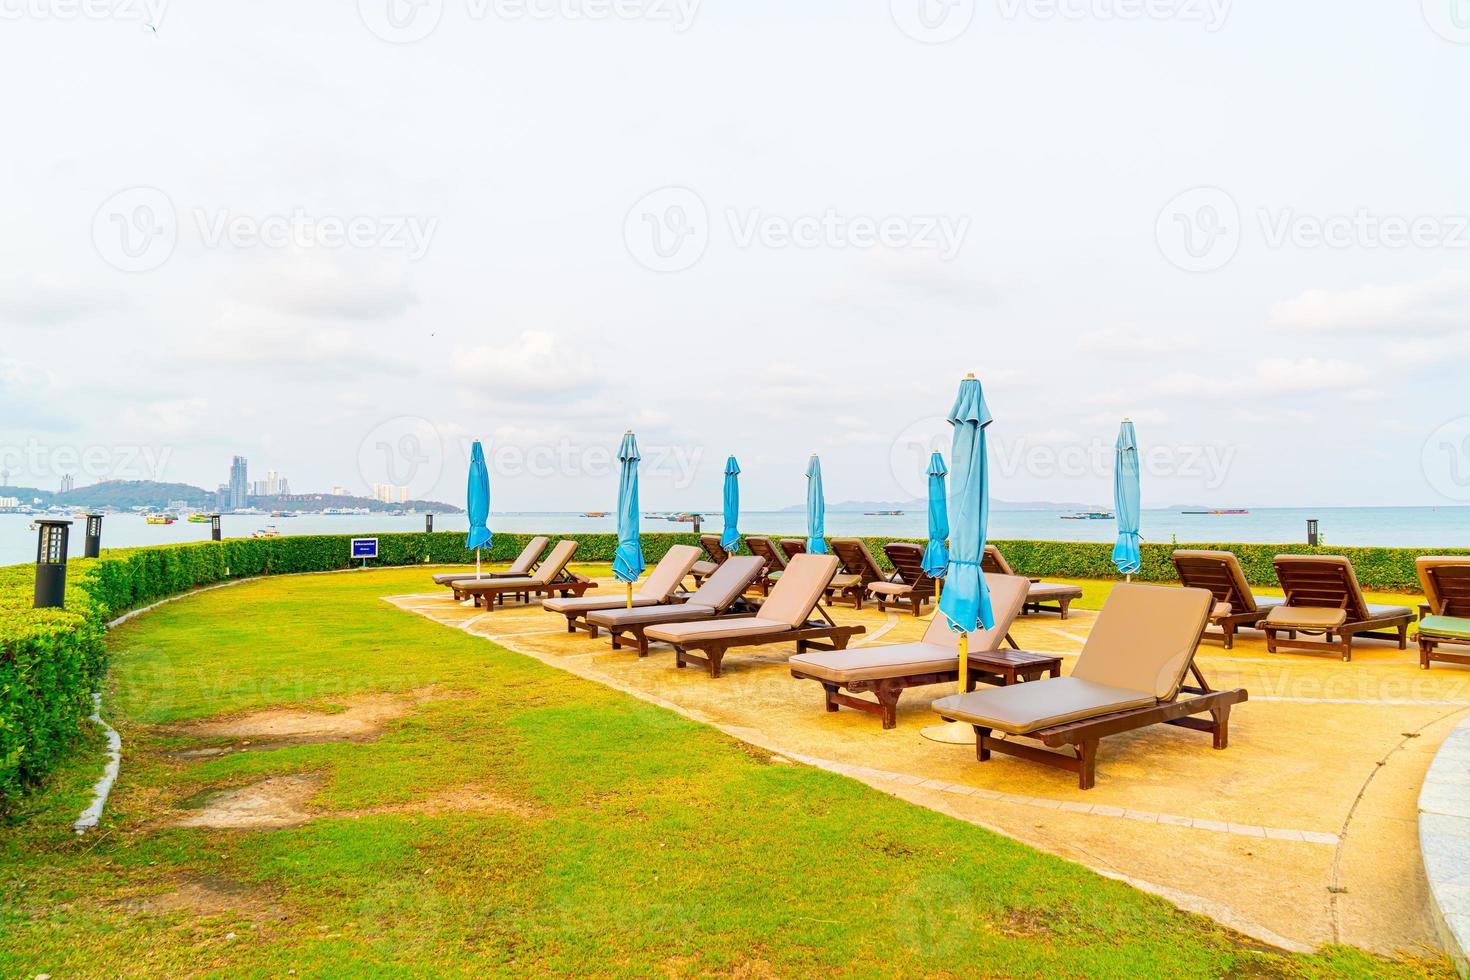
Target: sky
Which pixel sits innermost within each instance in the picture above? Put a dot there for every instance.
(344, 239)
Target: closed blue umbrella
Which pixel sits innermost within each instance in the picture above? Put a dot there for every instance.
(966, 599)
(936, 555)
(730, 537)
(628, 562)
(477, 504)
(1126, 501)
(816, 509)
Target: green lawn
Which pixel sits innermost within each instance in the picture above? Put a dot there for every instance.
(631, 841)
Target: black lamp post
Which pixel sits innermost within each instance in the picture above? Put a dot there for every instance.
(428, 523)
(92, 545)
(696, 522)
(214, 534)
(1312, 536)
(51, 564)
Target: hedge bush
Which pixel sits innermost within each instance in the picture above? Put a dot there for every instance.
(51, 660)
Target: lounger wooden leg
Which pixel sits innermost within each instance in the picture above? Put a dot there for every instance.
(1229, 635)
(982, 743)
(617, 639)
(1270, 640)
(679, 658)
(1087, 764)
(593, 630)
(840, 642)
(1064, 604)
(1404, 636)
(857, 599)
(642, 643)
(1423, 654)
(1347, 647)
(888, 694)
(831, 692)
(1222, 725)
(715, 655)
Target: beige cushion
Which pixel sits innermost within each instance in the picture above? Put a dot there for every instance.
(590, 603)
(1007, 596)
(669, 572)
(703, 569)
(889, 588)
(556, 562)
(1306, 617)
(845, 581)
(729, 582)
(529, 554)
(642, 616)
(1030, 707)
(1144, 638)
(1221, 609)
(1322, 576)
(801, 586)
(1048, 591)
(498, 585)
(1390, 612)
(717, 629)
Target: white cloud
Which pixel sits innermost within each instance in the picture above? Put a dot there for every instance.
(1429, 305)
(535, 365)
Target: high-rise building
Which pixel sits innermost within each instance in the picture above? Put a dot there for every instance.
(68, 483)
(222, 499)
(239, 484)
(403, 495)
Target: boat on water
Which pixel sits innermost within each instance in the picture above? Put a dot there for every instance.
(1215, 513)
(1089, 515)
(200, 518)
(883, 513)
(269, 531)
(160, 518)
(595, 513)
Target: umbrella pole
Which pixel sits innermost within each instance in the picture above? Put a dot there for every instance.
(964, 662)
(630, 595)
(955, 732)
(477, 563)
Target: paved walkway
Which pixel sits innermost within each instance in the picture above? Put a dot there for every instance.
(1303, 832)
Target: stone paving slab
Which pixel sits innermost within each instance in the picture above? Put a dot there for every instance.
(1444, 837)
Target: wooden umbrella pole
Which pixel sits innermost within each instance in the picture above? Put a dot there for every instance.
(477, 563)
(964, 661)
(630, 595)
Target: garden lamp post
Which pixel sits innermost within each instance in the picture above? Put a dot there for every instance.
(1312, 536)
(428, 523)
(92, 544)
(51, 564)
(214, 527)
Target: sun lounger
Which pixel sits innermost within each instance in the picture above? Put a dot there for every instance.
(1219, 573)
(910, 583)
(791, 547)
(524, 565)
(1041, 592)
(657, 588)
(784, 616)
(1130, 675)
(763, 547)
(552, 578)
(859, 570)
(1323, 598)
(720, 595)
(715, 555)
(887, 671)
(1446, 584)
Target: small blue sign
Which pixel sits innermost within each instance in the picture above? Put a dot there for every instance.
(364, 548)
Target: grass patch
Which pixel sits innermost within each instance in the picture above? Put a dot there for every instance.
(621, 839)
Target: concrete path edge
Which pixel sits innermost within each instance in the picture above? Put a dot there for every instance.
(1444, 840)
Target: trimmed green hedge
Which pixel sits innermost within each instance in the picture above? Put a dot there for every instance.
(51, 660)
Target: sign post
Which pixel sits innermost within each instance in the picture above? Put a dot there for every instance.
(364, 548)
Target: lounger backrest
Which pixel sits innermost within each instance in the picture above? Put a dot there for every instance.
(1446, 584)
(669, 572)
(793, 547)
(800, 587)
(555, 563)
(1144, 638)
(1220, 573)
(908, 563)
(713, 548)
(526, 560)
(1007, 596)
(728, 582)
(857, 559)
(1322, 581)
(766, 548)
(994, 563)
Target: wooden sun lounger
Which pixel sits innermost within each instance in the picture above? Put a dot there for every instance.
(886, 672)
(722, 594)
(910, 583)
(763, 547)
(792, 547)
(1131, 674)
(1446, 583)
(552, 578)
(1041, 593)
(1323, 598)
(786, 615)
(1220, 574)
(715, 555)
(523, 566)
(659, 587)
(859, 570)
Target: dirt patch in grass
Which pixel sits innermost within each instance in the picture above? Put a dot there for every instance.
(270, 804)
(355, 719)
(208, 895)
(459, 799)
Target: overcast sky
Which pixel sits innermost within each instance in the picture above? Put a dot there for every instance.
(343, 239)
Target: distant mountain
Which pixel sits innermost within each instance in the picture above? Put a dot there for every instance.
(128, 494)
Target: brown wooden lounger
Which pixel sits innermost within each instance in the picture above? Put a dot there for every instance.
(1446, 584)
(721, 594)
(763, 547)
(1323, 598)
(909, 583)
(887, 671)
(859, 570)
(656, 589)
(1220, 574)
(1130, 675)
(791, 547)
(784, 616)
(1041, 592)
(523, 566)
(715, 555)
(552, 578)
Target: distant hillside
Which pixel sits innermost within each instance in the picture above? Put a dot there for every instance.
(128, 494)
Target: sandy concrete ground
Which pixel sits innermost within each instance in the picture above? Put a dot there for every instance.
(1303, 832)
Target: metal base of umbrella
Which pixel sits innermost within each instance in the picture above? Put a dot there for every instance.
(952, 733)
